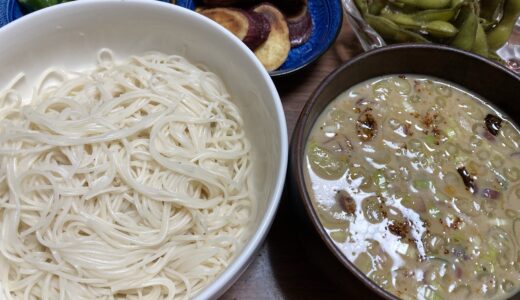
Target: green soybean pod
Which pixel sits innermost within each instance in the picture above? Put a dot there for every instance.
(429, 15)
(499, 35)
(457, 3)
(390, 30)
(401, 19)
(376, 6)
(362, 5)
(465, 39)
(426, 4)
(480, 46)
(441, 29)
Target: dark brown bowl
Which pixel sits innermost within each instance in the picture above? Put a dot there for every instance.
(492, 81)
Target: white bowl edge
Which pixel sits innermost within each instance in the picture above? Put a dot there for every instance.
(17, 34)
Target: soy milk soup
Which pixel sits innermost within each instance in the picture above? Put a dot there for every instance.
(418, 183)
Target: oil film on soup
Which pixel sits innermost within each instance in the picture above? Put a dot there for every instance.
(417, 182)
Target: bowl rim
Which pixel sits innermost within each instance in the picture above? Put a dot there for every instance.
(248, 252)
(298, 144)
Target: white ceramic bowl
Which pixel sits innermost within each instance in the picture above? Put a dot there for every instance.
(69, 35)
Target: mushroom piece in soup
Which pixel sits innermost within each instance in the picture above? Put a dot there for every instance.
(417, 182)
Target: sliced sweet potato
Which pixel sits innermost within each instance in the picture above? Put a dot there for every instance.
(250, 27)
(276, 48)
(259, 29)
(233, 20)
(300, 26)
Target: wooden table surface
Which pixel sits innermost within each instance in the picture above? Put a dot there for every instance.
(283, 268)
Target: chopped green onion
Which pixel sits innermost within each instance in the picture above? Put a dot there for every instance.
(324, 163)
(443, 90)
(461, 160)
(415, 99)
(331, 219)
(432, 294)
(489, 260)
(382, 89)
(339, 236)
(457, 237)
(433, 210)
(380, 180)
(516, 230)
(430, 140)
(406, 201)
(451, 133)
(403, 86)
(421, 184)
(364, 263)
(441, 101)
(497, 161)
(513, 173)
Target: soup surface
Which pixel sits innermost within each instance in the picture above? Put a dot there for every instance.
(418, 183)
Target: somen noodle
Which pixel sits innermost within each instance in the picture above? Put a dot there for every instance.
(129, 181)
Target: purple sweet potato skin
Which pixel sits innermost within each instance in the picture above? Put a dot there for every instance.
(300, 28)
(258, 32)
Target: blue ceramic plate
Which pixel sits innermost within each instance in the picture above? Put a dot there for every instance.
(326, 21)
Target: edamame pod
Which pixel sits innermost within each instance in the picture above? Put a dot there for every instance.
(465, 39)
(440, 29)
(376, 6)
(426, 4)
(400, 18)
(480, 46)
(390, 30)
(499, 35)
(429, 15)
(362, 5)
(480, 26)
